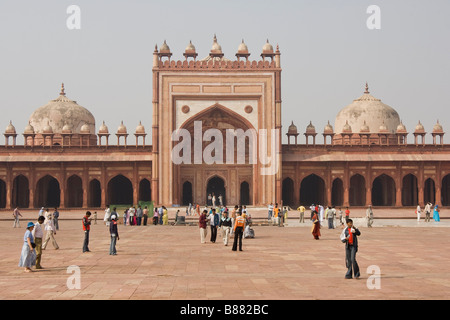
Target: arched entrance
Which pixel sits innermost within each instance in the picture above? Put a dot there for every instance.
(445, 191)
(48, 192)
(95, 194)
(145, 193)
(21, 192)
(312, 190)
(216, 186)
(74, 192)
(383, 191)
(2, 194)
(245, 193)
(337, 192)
(120, 191)
(357, 191)
(187, 193)
(410, 195)
(288, 192)
(429, 192)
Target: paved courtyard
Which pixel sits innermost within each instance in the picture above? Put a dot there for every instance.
(170, 263)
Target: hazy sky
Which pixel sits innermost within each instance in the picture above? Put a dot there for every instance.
(327, 55)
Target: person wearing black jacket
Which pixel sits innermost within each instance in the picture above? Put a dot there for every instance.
(349, 236)
(114, 235)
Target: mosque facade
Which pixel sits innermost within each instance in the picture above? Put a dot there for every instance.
(216, 129)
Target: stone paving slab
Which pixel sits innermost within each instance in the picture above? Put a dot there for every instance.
(170, 263)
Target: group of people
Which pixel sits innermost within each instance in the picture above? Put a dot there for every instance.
(213, 201)
(427, 210)
(131, 216)
(35, 240)
(236, 221)
(276, 215)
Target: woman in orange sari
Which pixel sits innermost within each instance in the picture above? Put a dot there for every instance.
(315, 230)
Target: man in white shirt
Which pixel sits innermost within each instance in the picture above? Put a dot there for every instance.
(107, 217)
(38, 234)
(50, 233)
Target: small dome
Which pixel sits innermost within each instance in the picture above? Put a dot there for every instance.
(103, 129)
(67, 128)
(140, 128)
(242, 47)
(310, 128)
(292, 129)
(419, 128)
(401, 128)
(28, 129)
(190, 47)
(216, 48)
(122, 129)
(438, 127)
(267, 48)
(164, 48)
(347, 128)
(10, 128)
(85, 129)
(364, 128)
(328, 128)
(383, 128)
(48, 128)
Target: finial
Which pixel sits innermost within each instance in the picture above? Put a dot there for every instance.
(367, 88)
(62, 90)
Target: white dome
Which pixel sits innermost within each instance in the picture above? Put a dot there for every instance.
(369, 110)
(60, 112)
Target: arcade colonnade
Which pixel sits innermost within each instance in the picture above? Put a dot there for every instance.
(74, 185)
(390, 185)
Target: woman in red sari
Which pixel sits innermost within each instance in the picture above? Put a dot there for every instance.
(315, 230)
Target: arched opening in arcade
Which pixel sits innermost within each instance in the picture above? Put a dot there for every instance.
(445, 191)
(21, 192)
(48, 192)
(2, 194)
(145, 192)
(410, 193)
(216, 187)
(187, 194)
(74, 192)
(383, 191)
(244, 193)
(312, 190)
(288, 192)
(357, 191)
(120, 191)
(337, 192)
(429, 191)
(95, 194)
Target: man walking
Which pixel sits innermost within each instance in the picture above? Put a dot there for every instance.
(50, 233)
(16, 215)
(301, 209)
(427, 212)
(369, 216)
(86, 228)
(225, 225)
(239, 226)
(214, 223)
(56, 218)
(349, 236)
(38, 234)
(202, 226)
